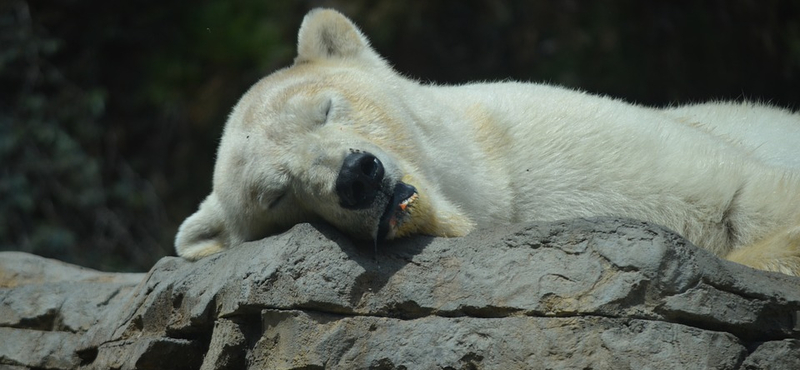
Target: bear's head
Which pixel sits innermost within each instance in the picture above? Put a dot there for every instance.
(329, 138)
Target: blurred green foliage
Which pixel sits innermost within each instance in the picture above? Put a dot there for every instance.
(110, 111)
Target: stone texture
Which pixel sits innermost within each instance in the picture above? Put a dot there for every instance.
(517, 342)
(599, 293)
(779, 354)
(46, 306)
(39, 349)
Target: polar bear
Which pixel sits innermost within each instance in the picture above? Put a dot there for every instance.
(340, 136)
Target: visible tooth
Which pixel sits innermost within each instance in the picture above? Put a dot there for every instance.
(408, 201)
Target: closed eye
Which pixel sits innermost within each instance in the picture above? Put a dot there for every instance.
(327, 107)
(275, 201)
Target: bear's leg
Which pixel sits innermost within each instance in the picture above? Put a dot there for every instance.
(780, 253)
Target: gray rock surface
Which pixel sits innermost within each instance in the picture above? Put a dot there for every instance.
(593, 294)
(46, 306)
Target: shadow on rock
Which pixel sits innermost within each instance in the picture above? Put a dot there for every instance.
(380, 260)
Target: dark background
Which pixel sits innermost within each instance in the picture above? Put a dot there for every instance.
(110, 112)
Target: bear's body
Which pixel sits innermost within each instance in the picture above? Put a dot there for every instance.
(341, 137)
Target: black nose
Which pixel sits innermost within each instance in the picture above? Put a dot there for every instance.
(359, 180)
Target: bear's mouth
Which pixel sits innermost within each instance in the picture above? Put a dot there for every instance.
(397, 211)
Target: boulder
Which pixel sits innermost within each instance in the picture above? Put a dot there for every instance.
(47, 305)
(600, 293)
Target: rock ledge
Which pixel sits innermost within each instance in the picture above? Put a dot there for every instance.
(599, 293)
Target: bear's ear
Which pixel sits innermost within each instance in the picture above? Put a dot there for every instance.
(327, 34)
(203, 233)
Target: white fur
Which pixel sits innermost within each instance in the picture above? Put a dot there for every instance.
(724, 175)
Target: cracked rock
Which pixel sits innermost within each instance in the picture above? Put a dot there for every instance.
(600, 293)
